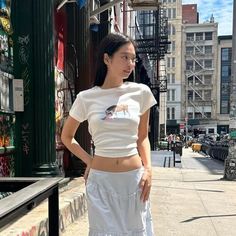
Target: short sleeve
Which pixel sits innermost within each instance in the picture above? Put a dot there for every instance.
(148, 100)
(77, 110)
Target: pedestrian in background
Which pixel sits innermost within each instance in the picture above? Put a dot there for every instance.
(118, 177)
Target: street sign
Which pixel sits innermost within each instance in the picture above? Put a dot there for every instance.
(233, 134)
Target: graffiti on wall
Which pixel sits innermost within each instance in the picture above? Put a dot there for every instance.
(6, 139)
(25, 133)
(64, 87)
(67, 215)
(23, 56)
(6, 70)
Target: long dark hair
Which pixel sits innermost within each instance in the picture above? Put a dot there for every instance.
(109, 44)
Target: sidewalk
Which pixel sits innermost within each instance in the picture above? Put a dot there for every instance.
(189, 200)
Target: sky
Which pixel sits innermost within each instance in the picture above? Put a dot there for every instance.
(222, 11)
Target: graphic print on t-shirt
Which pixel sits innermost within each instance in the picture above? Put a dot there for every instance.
(116, 111)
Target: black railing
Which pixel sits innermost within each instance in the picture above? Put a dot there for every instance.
(29, 193)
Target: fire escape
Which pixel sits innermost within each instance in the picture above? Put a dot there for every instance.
(151, 33)
(195, 84)
(151, 36)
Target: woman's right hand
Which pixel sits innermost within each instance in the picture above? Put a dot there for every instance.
(86, 173)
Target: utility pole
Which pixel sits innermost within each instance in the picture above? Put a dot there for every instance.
(230, 162)
(186, 111)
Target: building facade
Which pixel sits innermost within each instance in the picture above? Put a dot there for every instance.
(173, 66)
(223, 82)
(199, 80)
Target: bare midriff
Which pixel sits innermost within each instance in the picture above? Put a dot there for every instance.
(117, 164)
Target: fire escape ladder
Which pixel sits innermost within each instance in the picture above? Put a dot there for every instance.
(195, 73)
(196, 60)
(199, 49)
(202, 112)
(195, 90)
(202, 82)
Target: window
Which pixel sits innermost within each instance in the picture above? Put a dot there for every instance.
(174, 13)
(173, 94)
(169, 48)
(190, 95)
(148, 32)
(190, 36)
(207, 79)
(173, 78)
(225, 91)
(224, 109)
(226, 54)
(208, 115)
(168, 95)
(168, 62)
(169, 13)
(169, 29)
(173, 46)
(199, 36)
(198, 115)
(173, 113)
(189, 65)
(207, 95)
(190, 80)
(208, 63)
(168, 113)
(226, 71)
(208, 49)
(173, 62)
(168, 78)
(173, 30)
(189, 50)
(190, 115)
(208, 36)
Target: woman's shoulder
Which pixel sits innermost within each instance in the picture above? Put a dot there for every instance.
(138, 85)
(87, 92)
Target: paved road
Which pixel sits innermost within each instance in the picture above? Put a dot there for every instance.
(189, 200)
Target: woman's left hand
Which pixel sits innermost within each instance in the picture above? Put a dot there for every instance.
(145, 184)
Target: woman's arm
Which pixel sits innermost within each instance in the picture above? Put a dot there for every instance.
(144, 152)
(67, 137)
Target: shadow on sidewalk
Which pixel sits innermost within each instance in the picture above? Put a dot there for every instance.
(208, 216)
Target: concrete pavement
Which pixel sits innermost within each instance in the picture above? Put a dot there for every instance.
(189, 200)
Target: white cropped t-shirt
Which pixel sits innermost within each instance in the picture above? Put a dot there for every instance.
(113, 116)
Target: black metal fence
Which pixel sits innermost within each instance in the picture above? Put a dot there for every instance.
(29, 193)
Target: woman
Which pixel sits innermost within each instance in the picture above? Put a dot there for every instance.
(118, 176)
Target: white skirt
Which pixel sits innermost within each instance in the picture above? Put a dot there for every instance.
(114, 206)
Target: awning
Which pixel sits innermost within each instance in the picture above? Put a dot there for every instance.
(135, 4)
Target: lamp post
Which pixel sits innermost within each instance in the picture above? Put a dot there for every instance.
(230, 162)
